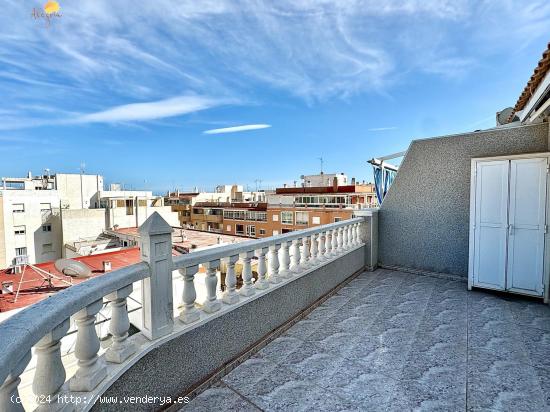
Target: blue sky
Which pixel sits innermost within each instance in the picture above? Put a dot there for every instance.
(130, 89)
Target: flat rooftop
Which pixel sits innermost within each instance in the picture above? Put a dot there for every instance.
(392, 341)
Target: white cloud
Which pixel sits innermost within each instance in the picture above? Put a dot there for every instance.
(381, 129)
(101, 53)
(133, 112)
(237, 128)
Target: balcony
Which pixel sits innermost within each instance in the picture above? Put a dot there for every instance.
(195, 332)
(317, 330)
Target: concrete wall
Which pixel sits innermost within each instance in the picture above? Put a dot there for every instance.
(424, 219)
(82, 223)
(78, 191)
(175, 366)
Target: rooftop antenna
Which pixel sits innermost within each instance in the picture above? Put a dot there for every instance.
(258, 184)
(322, 161)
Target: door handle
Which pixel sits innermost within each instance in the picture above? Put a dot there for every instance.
(511, 229)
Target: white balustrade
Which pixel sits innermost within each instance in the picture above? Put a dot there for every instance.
(230, 295)
(212, 303)
(262, 282)
(328, 245)
(345, 238)
(321, 247)
(91, 370)
(49, 374)
(247, 289)
(189, 312)
(340, 240)
(305, 256)
(284, 261)
(121, 349)
(314, 251)
(274, 264)
(295, 256)
(9, 394)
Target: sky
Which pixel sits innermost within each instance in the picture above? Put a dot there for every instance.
(164, 94)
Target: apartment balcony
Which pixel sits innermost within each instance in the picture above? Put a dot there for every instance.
(317, 330)
(199, 217)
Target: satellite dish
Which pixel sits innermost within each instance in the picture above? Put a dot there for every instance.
(73, 268)
(504, 115)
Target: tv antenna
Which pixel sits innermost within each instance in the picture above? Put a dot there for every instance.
(322, 162)
(258, 184)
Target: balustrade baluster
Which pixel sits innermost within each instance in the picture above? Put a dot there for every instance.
(121, 349)
(274, 264)
(295, 258)
(314, 258)
(230, 296)
(334, 241)
(212, 303)
(328, 245)
(262, 282)
(189, 312)
(304, 259)
(340, 240)
(9, 394)
(284, 261)
(247, 288)
(91, 370)
(49, 374)
(321, 247)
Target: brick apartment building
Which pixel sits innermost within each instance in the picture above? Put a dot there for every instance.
(321, 199)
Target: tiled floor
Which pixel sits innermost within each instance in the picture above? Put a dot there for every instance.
(392, 341)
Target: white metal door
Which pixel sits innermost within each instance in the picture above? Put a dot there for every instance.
(526, 230)
(491, 224)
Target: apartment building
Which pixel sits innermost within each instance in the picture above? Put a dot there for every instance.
(39, 215)
(318, 200)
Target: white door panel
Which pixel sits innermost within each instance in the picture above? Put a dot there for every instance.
(491, 224)
(526, 231)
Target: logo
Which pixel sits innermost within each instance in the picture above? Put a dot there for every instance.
(50, 12)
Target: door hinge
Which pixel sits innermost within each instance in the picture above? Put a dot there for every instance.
(545, 229)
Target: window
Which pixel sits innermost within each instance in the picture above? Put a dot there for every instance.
(239, 229)
(287, 218)
(262, 231)
(302, 218)
(228, 228)
(120, 203)
(316, 220)
(18, 208)
(20, 251)
(142, 203)
(47, 227)
(47, 248)
(275, 232)
(275, 218)
(337, 219)
(250, 230)
(19, 230)
(45, 207)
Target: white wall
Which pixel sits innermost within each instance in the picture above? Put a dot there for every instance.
(82, 223)
(78, 191)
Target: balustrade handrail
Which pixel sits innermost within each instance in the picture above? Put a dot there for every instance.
(202, 256)
(23, 330)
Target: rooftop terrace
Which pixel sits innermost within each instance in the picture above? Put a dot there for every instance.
(395, 341)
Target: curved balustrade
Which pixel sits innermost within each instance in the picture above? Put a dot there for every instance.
(278, 260)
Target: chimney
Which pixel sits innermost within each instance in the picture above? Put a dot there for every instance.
(284, 185)
(353, 181)
(335, 184)
(106, 266)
